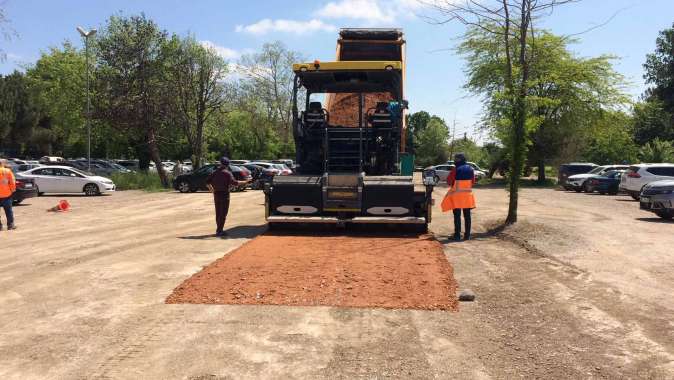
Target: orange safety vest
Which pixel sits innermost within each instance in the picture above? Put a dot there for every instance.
(460, 195)
(7, 183)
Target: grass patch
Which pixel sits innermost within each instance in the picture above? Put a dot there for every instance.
(525, 182)
(138, 181)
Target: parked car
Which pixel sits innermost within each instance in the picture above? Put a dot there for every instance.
(290, 164)
(608, 182)
(25, 187)
(64, 179)
(438, 172)
(26, 166)
(51, 160)
(196, 180)
(567, 170)
(132, 165)
(578, 182)
(658, 197)
(479, 172)
(280, 169)
(638, 176)
(255, 173)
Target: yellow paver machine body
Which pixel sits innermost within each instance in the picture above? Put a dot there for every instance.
(349, 131)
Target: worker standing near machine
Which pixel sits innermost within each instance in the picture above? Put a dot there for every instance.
(219, 182)
(460, 195)
(7, 188)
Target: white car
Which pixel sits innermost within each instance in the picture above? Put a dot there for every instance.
(441, 172)
(578, 182)
(64, 179)
(638, 176)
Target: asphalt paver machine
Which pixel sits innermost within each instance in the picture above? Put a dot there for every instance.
(349, 130)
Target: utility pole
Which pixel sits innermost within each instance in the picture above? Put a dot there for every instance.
(86, 36)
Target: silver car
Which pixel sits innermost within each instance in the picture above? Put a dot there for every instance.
(658, 197)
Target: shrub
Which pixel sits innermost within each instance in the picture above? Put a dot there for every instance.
(137, 181)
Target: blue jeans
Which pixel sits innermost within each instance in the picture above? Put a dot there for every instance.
(6, 203)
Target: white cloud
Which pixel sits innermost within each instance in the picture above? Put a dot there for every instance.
(371, 12)
(222, 51)
(357, 10)
(285, 26)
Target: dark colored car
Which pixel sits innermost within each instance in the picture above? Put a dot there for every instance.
(196, 180)
(25, 187)
(255, 172)
(567, 170)
(606, 183)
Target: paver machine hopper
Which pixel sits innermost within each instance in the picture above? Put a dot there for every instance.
(349, 131)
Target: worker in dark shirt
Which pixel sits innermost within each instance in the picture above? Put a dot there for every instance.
(219, 183)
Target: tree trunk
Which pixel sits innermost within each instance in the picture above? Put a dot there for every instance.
(154, 154)
(541, 171)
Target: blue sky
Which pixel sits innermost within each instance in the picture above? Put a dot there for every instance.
(435, 74)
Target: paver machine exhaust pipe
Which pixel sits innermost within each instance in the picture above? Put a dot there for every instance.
(350, 151)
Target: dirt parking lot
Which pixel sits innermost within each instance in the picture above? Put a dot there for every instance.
(581, 288)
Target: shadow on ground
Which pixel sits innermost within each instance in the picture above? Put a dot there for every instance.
(236, 232)
(655, 220)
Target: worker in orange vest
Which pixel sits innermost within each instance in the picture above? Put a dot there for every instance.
(460, 195)
(7, 188)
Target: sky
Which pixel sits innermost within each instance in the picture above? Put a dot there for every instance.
(435, 74)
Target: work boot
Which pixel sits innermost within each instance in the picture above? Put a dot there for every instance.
(466, 237)
(11, 227)
(457, 236)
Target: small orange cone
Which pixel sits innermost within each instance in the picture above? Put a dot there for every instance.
(62, 206)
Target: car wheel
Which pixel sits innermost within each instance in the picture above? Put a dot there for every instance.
(436, 179)
(184, 187)
(586, 187)
(578, 190)
(602, 193)
(17, 201)
(91, 189)
(613, 193)
(665, 214)
(634, 196)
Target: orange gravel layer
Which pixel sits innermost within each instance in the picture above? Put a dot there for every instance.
(346, 271)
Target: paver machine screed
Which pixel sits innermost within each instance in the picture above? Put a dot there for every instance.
(349, 131)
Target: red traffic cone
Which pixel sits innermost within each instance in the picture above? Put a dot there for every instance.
(63, 205)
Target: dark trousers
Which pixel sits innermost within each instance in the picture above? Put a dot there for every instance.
(221, 200)
(457, 220)
(6, 203)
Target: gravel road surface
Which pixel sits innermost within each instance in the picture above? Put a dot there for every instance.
(581, 288)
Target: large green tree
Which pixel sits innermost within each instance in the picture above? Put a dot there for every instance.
(431, 144)
(566, 94)
(659, 68)
(196, 74)
(58, 78)
(131, 76)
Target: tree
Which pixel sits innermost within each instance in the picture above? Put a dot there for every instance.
(659, 68)
(657, 151)
(58, 80)
(610, 140)
(432, 145)
(196, 75)
(511, 23)
(652, 121)
(19, 114)
(131, 81)
(268, 78)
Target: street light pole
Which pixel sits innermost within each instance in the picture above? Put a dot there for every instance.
(86, 36)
